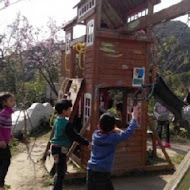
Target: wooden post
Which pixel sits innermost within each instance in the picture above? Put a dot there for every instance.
(98, 14)
(159, 142)
(150, 12)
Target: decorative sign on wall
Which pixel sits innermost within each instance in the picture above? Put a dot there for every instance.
(138, 76)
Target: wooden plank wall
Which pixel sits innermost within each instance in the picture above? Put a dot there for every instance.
(129, 153)
(110, 63)
(116, 59)
(89, 88)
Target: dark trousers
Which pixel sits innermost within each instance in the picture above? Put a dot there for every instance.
(5, 160)
(99, 181)
(61, 168)
(160, 126)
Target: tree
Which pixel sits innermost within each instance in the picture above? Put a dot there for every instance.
(23, 55)
(173, 55)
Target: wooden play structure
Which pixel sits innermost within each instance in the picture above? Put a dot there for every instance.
(113, 55)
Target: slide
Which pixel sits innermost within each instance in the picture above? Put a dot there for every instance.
(174, 104)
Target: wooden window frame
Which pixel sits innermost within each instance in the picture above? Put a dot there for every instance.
(87, 108)
(90, 33)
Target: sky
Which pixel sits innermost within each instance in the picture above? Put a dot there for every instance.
(39, 11)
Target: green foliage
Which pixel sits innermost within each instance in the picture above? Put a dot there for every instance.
(36, 89)
(113, 111)
(179, 83)
(14, 146)
(117, 95)
(173, 47)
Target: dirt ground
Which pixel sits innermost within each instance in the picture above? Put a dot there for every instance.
(29, 174)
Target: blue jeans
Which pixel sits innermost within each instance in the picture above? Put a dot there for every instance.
(5, 160)
(61, 168)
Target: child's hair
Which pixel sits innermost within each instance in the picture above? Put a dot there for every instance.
(107, 122)
(62, 105)
(188, 98)
(3, 98)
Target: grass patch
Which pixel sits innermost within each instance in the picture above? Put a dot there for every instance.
(177, 159)
(47, 180)
(154, 159)
(14, 147)
(185, 183)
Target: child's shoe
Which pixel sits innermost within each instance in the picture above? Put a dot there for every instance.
(2, 188)
(167, 145)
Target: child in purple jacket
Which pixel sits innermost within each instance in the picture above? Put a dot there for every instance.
(7, 102)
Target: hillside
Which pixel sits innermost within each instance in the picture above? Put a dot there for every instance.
(174, 46)
(173, 52)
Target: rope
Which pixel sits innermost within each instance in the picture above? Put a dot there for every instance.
(80, 48)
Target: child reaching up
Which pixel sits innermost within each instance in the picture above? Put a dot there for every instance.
(104, 142)
(7, 102)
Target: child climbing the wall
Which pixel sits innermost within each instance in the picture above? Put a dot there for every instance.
(7, 102)
(104, 143)
(64, 135)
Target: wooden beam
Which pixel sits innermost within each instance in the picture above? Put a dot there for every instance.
(112, 14)
(106, 19)
(179, 174)
(81, 133)
(164, 15)
(151, 124)
(98, 13)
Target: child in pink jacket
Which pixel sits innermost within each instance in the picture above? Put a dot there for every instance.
(7, 102)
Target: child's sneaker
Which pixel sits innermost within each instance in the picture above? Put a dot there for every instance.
(167, 145)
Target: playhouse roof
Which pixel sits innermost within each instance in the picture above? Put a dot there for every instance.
(125, 7)
(128, 7)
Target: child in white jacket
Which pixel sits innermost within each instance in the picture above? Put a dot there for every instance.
(186, 109)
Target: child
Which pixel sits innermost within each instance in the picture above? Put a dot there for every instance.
(162, 116)
(7, 102)
(186, 109)
(64, 135)
(104, 142)
(119, 109)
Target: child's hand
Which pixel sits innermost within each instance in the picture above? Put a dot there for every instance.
(117, 130)
(135, 112)
(3, 145)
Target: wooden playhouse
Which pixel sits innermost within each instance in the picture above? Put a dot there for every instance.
(114, 54)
